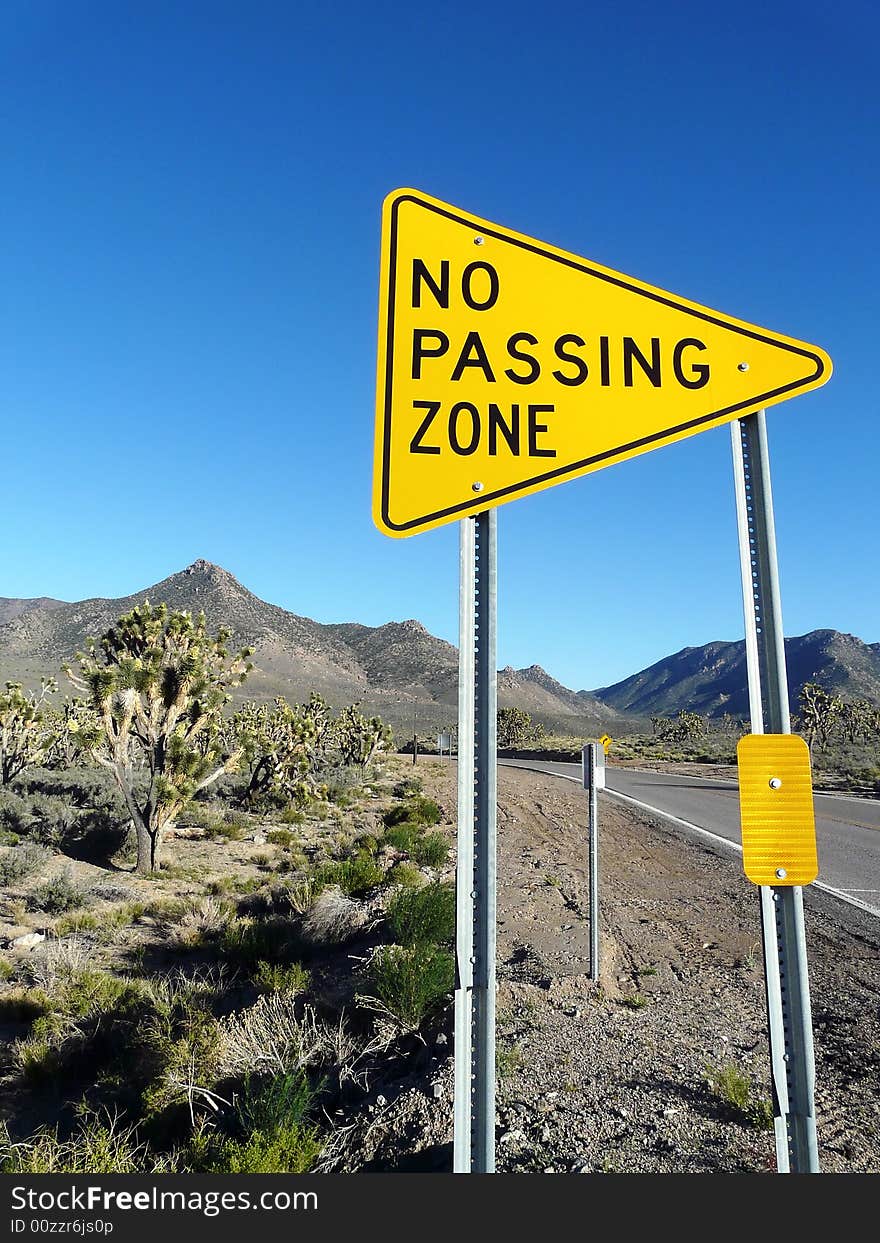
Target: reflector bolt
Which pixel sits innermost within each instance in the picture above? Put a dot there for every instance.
(479, 241)
(781, 873)
(742, 366)
(476, 487)
(775, 783)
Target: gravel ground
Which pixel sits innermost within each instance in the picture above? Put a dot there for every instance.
(617, 1076)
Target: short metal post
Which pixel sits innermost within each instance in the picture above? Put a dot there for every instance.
(782, 915)
(589, 776)
(474, 1101)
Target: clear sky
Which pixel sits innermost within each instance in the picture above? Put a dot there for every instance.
(191, 226)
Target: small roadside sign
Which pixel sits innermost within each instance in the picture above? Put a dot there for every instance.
(606, 743)
(593, 761)
(507, 365)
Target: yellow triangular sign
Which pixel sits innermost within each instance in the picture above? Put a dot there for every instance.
(506, 366)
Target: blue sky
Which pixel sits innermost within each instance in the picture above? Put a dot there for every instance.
(190, 280)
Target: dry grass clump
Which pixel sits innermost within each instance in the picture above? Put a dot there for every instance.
(61, 961)
(333, 918)
(274, 1035)
(99, 1146)
(205, 917)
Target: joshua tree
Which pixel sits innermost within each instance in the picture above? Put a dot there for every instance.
(515, 727)
(25, 737)
(818, 712)
(157, 682)
(359, 738)
(279, 745)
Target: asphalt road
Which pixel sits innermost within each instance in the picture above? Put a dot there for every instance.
(847, 829)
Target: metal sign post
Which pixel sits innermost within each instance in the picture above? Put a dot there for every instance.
(474, 1095)
(593, 757)
(782, 912)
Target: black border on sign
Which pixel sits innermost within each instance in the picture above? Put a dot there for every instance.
(480, 502)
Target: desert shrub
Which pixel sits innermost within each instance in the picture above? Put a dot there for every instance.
(408, 787)
(60, 960)
(204, 918)
(218, 886)
(403, 836)
(412, 981)
(167, 910)
(20, 861)
(179, 1051)
(354, 877)
(7, 971)
(423, 915)
(79, 810)
(432, 850)
(332, 918)
(278, 1035)
(76, 922)
(224, 830)
(732, 1086)
(97, 1147)
(275, 977)
(273, 1137)
(302, 893)
(15, 814)
(89, 1013)
(23, 1005)
(292, 814)
(416, 810)
(53, 820)
(58, 894)
(366, 844)
(282, 837)
(406, 876)
(247, 941)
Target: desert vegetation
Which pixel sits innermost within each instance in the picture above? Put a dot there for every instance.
(219, 924)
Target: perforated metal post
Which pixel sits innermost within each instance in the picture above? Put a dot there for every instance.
(590, 757)
(474, 1100)
(782, 912)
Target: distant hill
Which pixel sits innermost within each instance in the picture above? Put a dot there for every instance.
(399, 670)
(14, 608)
(712, 679)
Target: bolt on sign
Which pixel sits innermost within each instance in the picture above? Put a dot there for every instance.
(507, 366)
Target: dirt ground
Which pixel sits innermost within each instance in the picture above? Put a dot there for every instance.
(616, 1075)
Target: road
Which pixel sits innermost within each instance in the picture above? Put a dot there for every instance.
(847, 829)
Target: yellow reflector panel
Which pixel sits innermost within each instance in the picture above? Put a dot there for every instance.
(776, 810)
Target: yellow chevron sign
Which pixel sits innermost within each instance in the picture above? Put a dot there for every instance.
(606, 743)
(507, 366)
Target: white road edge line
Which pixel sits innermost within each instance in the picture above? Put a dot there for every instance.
(656, 772)
(696, 828)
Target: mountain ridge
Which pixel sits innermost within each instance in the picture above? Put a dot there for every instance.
(409, 676)
(398, 669)
(711, 679)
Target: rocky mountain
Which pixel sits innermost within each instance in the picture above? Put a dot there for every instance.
(399, 670)
(14, 608)
(712, 679)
